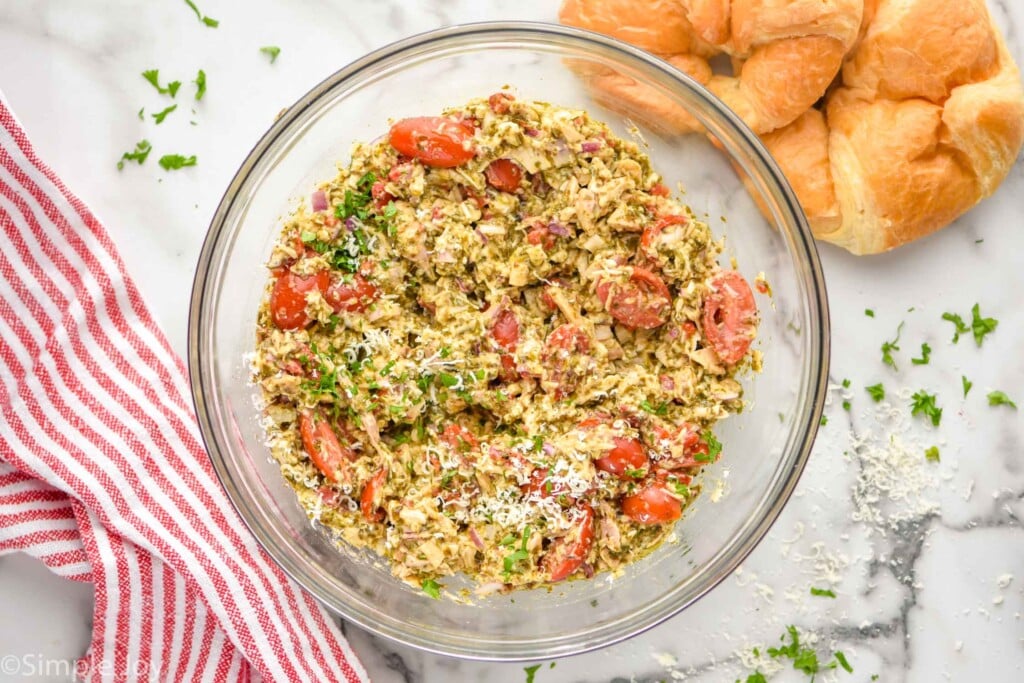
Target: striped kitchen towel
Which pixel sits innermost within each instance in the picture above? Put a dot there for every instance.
(103, 475)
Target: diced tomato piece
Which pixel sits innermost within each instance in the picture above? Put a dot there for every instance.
(730, 316)
(564, 342)
(677, 446)
(370, 499)
(354, 296)
(499, 102)
(509, 372)
(626, 454)
(660, 190)
(504, 175)
(542, 236)
(323, 448)
(643, 302)
(459, 438)
(288, 298)
(568, 553)
(651, 233)
(381, 197)
(505, 330)
(652, 504)
(434, 140)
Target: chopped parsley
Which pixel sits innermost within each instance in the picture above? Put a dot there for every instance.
(846, 406)
(635, 474)
(161, 115)
(877, 391)
(512, 561)
(846, 384)
(142, 112)
(153, 76)
(538, 443)
(961, 327)
(999, 398)
(869, 312)
(355, 203)
(272, 51)
(824, 420)
(531, 671)
(172, 162)
(431, 588)
(200, 84)
(714, 447)
(926, 352)
(841, 658)
(890, 346)
(661, 409)
(966, 383)
(212, 23)
(981, 326)
(142, 150)
(931, 454)
(823, 592)
(924, 404)
(679, 487)
(756, 677)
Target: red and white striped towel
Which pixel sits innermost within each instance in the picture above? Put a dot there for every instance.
(103, 475)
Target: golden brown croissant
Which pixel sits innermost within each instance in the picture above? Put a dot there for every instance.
(928, 121)
(784, 54)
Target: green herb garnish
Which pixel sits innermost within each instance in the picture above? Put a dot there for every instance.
(958, 322)
(635, 474)
(142, 150)
(841, 658)
(431, 588)
(998, 398)
(926, 352)
(877, 391)
(511, 561)
(200, 84)
(981, 326)
(272, 50)
(161, 115)
(824, 420)
(212, 23)
(153, 76)
(966, 383)
(531, 671)
(714, 447)
(924, 403)
(931, 454)
(172, 162)
(661, 409)
(890, 346)
(823, 592)
(869, 313)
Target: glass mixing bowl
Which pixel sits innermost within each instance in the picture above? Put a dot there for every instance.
(727, 175)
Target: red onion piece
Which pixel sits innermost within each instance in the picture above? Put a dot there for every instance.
(548, 449)
(591, 146)
(319, 200)
(532, 132)
(556, 228)
(667, 383)
(351, 224)
(475, 537)
(588, 570)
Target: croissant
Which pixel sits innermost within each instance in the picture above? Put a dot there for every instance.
(784, 54)
(928, 120)
(924, 119)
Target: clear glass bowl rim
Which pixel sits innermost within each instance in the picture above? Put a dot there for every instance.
(730, 556)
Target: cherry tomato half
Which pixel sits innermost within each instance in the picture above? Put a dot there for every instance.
(643, 302)
(370, 500)
(730, 316)
(288, 298)
(652, 504)
(434, 140)
(626, 454)
(505, 330)
(678, 447)
(323, 448)
(504, 175)
(354, 296)
(568, 553)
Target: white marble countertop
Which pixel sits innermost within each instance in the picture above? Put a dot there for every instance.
(929, 578)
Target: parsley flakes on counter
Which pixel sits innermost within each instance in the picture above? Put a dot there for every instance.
(931, 454)
(890, 346)
(142, 150)
(979, 327)
(999, 398)
(173, 162)
(924, 403)
(877, 391)
(272, 51)
(432, 588)
(200, 84)
(823, 592)
(161, 115)
(212, 23)
(926, 352)
(804, 658)
(153, 76)
(967, 384)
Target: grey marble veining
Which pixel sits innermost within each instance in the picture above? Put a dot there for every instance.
(931, 590)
